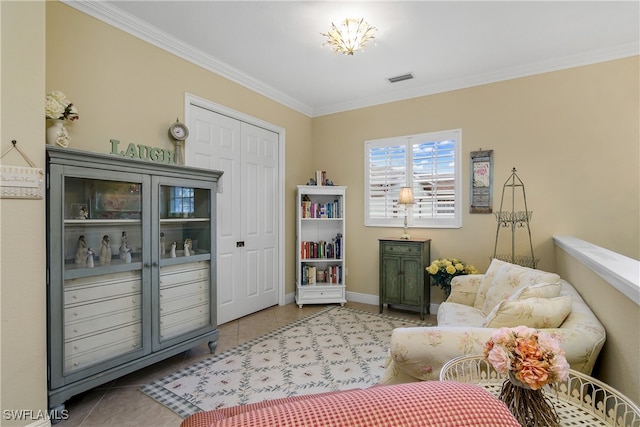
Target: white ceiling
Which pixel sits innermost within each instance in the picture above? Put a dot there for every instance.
(275, 47)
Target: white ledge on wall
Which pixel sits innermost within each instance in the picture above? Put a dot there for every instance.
(620, 271)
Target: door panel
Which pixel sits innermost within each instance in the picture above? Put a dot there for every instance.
(247, 208)
(259, 224)
(412, 289)
(391, 269)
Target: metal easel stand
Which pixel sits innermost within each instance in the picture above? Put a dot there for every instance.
(514, 220)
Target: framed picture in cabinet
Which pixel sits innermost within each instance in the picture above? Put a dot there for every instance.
(116, 200)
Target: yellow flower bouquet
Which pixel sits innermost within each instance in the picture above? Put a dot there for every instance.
(442, 271)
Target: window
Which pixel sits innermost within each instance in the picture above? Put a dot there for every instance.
(181, 203)
(430, 164)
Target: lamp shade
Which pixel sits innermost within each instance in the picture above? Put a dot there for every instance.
(406, 196)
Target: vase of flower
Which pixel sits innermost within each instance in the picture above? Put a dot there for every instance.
(530, 407)
(531, 360)
(442, 271)
(57, 134)
(58, 109)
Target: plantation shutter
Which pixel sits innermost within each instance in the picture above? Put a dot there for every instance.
(433, 179)
(429, 163)
(387, 173)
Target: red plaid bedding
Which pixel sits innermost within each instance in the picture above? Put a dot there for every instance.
(429, 403)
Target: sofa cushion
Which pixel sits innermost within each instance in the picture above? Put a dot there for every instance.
(490, 274)
(540, 290)
(430, 403)
(531, 312)
(464, 289)
(454, 314)
(510, 278)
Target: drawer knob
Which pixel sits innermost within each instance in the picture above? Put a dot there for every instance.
(75, 363)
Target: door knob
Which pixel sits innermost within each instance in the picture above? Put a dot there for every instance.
(240, 244)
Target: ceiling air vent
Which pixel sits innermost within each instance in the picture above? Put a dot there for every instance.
(400, 78)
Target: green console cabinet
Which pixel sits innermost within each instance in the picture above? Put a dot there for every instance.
(404, 281)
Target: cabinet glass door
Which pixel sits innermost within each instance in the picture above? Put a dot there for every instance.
(184, 254)
(102, 270)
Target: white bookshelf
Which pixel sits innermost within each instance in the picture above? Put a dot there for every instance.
(321, 249)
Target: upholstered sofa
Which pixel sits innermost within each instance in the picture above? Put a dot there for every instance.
(507, 295)
(426, 404)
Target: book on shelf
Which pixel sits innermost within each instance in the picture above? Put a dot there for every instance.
(312, 275)
(330, 210)
(321, 177)
(308, 275)
(322, 249)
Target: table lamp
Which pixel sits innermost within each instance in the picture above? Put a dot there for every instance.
(406, 199)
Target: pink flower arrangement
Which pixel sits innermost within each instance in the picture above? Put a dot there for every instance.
(531, 357)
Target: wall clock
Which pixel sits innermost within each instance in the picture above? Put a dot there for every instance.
(179, 131)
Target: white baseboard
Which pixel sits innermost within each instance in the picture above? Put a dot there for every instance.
(361, 298)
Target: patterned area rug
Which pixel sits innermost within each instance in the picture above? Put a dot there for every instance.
(337, 348)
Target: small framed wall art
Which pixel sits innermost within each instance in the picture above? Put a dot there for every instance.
(481, 181)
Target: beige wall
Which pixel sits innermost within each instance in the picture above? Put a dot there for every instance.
(129, 90)
(558, 129)
(619, 361)
(23, 366)
(572, 135)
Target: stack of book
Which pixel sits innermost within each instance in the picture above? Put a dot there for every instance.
(321, 210)
(310, 275)
(322, 249)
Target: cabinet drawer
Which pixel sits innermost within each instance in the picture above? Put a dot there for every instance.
(321, 293)
(179, 274)
(97, 348)
(179, 322)
(96, 322)
(183, 303)
(85, 289)
(81, 312)
(200, 288)
(401, 248)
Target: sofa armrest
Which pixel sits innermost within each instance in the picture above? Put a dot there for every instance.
(420, 352)
(465, 288)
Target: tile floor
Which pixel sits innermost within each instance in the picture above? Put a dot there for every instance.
(120, 403)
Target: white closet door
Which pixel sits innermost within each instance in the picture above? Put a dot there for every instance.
(247, 208)
(259, 207)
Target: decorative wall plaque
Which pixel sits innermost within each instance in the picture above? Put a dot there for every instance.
(481, 181)
(18, 182)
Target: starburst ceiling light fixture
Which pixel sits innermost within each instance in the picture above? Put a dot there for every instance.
(351, 35)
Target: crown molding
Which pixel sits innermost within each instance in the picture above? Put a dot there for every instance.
(116, 17)
(556, 64)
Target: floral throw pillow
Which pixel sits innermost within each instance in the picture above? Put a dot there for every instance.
(539, 290)
(491, 272)
(509, 279)
(540, 313)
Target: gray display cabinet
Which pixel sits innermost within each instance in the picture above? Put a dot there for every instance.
(128, 300)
